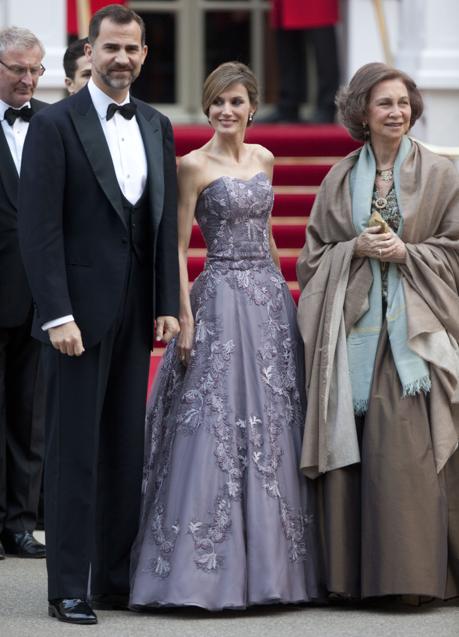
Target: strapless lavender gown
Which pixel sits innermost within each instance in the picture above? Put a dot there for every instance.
(227, 519)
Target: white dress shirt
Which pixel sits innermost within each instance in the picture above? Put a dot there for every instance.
(15, 134)
(125, 144)
(128, 155)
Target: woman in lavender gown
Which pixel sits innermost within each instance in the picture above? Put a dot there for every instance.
(227, 519)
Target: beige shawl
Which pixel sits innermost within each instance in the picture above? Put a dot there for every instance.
(335, 295)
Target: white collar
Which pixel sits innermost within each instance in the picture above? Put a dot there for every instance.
(4, 107)
(101, 100)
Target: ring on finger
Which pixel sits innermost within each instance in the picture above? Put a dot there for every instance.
(380, 253)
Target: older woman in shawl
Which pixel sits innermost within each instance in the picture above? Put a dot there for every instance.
(379, 315)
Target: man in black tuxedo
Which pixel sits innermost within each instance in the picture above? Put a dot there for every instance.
(21, 409)
(98, 232)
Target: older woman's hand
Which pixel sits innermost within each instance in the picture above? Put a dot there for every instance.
(386, 246)
(394, 251)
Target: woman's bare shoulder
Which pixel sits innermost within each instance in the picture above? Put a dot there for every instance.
(193, 162)
(262, 154)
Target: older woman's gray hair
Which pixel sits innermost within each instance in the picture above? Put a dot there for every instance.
(352, 100)
(19, 38)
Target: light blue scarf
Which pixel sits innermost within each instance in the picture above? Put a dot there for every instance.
(363, 339)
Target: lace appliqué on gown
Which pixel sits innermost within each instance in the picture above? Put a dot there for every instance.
(230, 423)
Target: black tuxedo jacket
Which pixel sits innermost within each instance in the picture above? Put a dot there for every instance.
(15, 298)
(73, 235)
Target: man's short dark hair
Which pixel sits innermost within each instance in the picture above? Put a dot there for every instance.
(117, 13)
(74, 52)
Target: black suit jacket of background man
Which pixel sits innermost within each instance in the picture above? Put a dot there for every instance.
(15, 297)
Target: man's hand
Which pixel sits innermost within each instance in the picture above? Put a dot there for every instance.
(166, 328)
(67, 339)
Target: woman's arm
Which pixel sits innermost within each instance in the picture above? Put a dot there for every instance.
(188, 174)
(267, 162)
(273, 247)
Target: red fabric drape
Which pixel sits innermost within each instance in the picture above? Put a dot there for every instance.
(304, 14)
(72, 22)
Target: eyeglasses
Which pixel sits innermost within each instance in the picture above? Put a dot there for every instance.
(20, 71)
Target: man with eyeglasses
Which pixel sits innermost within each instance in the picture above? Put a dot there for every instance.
(21, 391)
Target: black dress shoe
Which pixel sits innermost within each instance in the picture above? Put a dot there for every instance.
(110, 602)
(2, 552)
(22, 544)
(72, 611)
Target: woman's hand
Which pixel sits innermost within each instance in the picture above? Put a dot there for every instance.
(386, 246)
(185, 340)
(395, 250)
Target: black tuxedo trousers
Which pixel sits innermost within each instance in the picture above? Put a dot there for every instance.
(21, 427)
(95, 430)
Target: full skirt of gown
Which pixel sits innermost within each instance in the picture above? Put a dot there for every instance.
(227, 518)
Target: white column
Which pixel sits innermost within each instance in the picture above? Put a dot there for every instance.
(47, 20)
(429, 52)
(362, 39)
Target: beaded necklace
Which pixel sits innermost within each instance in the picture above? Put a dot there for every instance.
(386, 175)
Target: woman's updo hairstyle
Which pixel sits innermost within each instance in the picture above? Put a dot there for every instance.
(223, 77)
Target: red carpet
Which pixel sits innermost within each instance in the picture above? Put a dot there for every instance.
(304, 155)
(282, 140)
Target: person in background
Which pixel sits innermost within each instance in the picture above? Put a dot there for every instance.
(100, 249)
(76, 66)
(21, 391)
(379, 275)
(296, 23)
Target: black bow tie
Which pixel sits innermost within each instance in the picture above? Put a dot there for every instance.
(126, 110)
(12, 114)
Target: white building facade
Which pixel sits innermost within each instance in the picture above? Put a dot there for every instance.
(423, 40)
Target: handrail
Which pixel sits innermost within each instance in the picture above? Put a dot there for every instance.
(452, 152)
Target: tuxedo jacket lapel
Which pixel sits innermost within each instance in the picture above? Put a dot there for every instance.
(8, 175)
(150, 130)
(89, 130)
